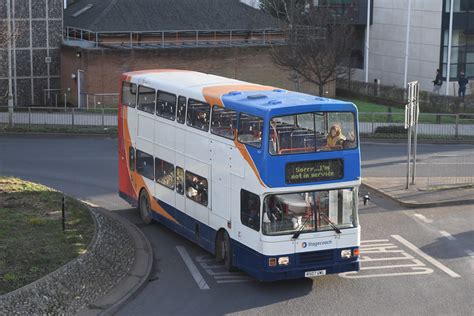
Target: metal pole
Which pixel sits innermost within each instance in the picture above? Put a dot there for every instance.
(409, 156)
(9, 48)
(367, 40)
(416, 113)
(450, 38)
(407, 45)
(63, 212)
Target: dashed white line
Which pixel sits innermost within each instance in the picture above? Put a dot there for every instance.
(447, 235)
(197, 276)
(423, 218)
(425, 256)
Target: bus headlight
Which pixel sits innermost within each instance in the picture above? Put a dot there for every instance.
(346, 254)
(283, 261)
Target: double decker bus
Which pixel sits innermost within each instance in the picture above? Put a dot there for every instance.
(263, 178)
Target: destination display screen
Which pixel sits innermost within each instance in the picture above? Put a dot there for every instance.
(314, 171)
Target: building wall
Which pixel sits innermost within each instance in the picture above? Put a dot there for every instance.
(38, 24)
(387, 42)
(103, 67)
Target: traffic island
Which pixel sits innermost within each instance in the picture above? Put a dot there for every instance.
(420, 195)
(48, 271)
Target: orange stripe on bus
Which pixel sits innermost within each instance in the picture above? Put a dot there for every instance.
(245, 154)
(213, 95)
(138, 181)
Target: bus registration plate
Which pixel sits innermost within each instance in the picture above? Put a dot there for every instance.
(311, 274)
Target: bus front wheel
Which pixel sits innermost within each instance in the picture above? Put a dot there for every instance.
(224, 251)
(144, 207)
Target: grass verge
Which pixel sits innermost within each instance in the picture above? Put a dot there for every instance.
(32, 243)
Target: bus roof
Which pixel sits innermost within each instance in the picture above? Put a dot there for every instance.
(235, 94)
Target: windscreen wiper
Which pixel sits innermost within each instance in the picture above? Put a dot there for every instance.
(298, 232)
(326, 218)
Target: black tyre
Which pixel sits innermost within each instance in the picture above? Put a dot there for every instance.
(144, 208)
(226, 253)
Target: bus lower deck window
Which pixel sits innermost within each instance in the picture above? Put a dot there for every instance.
(144, 164)
(250, 209)
(196, 188)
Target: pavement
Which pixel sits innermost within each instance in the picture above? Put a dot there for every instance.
(420, 195)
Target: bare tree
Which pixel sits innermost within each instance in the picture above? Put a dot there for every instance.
(319, 40)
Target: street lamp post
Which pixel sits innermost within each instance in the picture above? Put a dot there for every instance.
(367, 40)
(9, 48)
(450, 39)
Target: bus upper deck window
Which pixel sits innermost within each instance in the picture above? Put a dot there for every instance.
(198, 115)
(250, 130)
(166, 105)
(224, 122)
(129, 94)
(146, 99)
(181, 112)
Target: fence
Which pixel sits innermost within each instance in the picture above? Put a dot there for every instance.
(390, 95)
(382, 125)
(59, 118)
(450, 171)
(175, 38)
(431, 125)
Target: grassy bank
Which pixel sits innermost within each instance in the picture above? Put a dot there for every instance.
(32, 243)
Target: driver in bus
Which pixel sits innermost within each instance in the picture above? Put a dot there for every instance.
(335, 138)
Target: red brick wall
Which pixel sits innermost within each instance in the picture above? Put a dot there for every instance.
(103, 67)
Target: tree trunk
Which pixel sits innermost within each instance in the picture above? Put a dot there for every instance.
(321, 90)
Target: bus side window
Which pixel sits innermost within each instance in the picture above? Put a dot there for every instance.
(180, 180)
(164, 173)
(129, 94)
(146, 99)
(166, 105)
(198, 115)
(181, 115)
(250, 130)
(250, 209)
(131, 158)
(224, 122)
(196, 188)
(145, 164)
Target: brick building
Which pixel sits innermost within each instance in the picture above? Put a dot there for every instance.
(223, 37)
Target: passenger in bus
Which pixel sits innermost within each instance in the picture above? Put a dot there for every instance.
(335, 138)
(202, 120)
(197, 190)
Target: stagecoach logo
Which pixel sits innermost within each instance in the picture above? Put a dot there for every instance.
(315, 243)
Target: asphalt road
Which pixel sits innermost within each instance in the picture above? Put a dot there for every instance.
(415, 262)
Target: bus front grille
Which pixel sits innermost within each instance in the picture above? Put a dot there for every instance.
(316, 256)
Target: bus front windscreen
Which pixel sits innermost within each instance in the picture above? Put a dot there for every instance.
(311, 211)
(312, 132)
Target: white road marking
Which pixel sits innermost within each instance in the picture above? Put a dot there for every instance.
(469, 252)
(425, 256)
(192, 268)
(373, 241)
(447, 235)
(423, 218)
(219, 273)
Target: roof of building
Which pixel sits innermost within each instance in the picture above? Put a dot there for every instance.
(243, 96)
(165, 15)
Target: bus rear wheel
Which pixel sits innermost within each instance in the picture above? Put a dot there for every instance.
(224, 251)
(144, 208)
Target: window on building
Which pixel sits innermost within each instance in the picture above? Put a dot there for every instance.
(129, 94)
(145, 164)
(196, 188)
(181, 115)
(146, 99)
(131, 158)
(166, 105)
(180, 180)
(250, 130)
(198, 114)
(224, 122)
(164, 173)
(250, 209)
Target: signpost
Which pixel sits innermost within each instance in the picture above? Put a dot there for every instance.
(412, 111)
